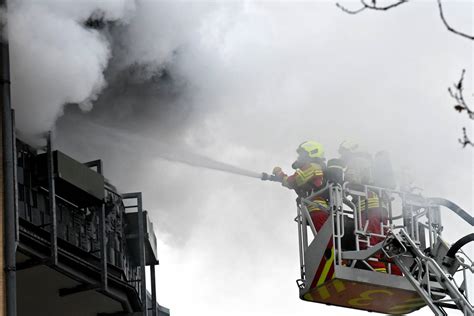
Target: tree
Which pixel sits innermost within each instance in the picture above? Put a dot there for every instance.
(457, 91)
(374, 5)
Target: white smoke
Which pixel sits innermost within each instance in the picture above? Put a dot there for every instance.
(159, 30)
(55, 59)
(60, 61)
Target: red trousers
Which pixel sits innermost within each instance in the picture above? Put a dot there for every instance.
(319, 218)
(375, 217)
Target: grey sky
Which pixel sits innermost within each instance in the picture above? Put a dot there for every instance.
(245, 82)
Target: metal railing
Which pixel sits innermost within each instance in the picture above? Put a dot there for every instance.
(413, 215)
(97, 232)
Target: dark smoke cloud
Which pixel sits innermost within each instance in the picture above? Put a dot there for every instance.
(58, 59)
(138, 101)
(145, 89)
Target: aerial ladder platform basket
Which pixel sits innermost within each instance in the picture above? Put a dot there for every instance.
(421, 268)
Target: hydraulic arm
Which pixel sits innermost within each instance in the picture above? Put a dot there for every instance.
(338, 262)
(433, 281)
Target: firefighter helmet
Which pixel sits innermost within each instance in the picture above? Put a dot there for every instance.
(348, 146)
(311, 149)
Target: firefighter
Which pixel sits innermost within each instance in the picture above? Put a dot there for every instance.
(373, 213)
(308, 178)
(357, 163)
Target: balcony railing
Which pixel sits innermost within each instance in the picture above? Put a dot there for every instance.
(94, 223)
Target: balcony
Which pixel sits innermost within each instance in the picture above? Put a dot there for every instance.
(80, 255)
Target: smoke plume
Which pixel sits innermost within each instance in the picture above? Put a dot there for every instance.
(57, 58)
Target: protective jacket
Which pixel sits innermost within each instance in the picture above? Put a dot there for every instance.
(309, 178)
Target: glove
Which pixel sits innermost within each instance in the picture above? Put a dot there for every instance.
(278, 174)
(277, 171)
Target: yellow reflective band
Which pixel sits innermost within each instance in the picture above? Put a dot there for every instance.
(339, 285)
(304, 176)
(308, 297)
(373, 203)
(381, 270)
(409, 306)
(326, 268)
(316, 209)
(323, 292)
(365, 298)
(322, 205)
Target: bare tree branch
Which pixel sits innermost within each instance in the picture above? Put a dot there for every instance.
(449, 27)
(465, 139)
(349, 11)
(457, 93)
(372, 6)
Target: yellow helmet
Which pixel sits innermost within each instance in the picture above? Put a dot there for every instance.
(311, 149)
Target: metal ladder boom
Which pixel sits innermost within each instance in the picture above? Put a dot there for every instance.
(405, 253)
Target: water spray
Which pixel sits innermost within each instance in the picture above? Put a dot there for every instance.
(176, 154)
(195, 160)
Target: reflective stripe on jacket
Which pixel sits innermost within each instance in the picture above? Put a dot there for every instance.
(311, 173)
(309, 178)
(323, 205)
(373, 199)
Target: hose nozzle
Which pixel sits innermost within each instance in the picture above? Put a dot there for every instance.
(269, 177)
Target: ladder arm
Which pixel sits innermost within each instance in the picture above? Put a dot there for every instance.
(405, 253)
(453, 207)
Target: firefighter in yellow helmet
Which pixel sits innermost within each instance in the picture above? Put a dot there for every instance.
(308, 178)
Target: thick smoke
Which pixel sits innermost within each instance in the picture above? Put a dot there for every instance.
(57, 59)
